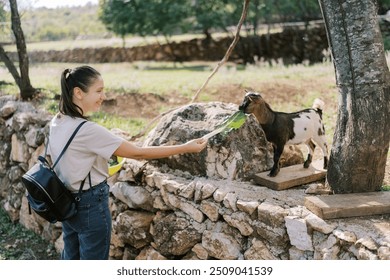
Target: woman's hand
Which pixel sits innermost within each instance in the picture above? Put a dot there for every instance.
(195, 145)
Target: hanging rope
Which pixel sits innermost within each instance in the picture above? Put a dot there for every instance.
(222, 62)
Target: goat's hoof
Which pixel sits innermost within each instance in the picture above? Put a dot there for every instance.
(273, 174)
(306, 164)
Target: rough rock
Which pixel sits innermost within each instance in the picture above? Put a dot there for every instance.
(134, 196)
(210, 209)
(174, 235)
(200, 251)
(258, 251)
(149, 253)
(318, 224)
(271, 214)
(240, 221)
(245, 149)
(346, 236)
(221, 246)
(298, 233)
(132, 227)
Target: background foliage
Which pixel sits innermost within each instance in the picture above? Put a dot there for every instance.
(45, 24)
(157, 17)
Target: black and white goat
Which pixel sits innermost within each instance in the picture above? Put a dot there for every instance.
(288, 128)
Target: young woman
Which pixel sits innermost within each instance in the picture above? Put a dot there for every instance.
(87, 235)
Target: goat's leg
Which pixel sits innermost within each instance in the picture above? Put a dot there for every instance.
(321, 141)
(310, 147)
(325, 152)
(276, 168)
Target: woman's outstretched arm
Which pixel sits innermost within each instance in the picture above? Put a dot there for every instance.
(129, 150)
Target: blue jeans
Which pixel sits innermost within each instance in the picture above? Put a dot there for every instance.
(87, 235)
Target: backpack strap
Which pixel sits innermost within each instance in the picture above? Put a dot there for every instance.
(62, 153)
(78, 197)
(67, 144)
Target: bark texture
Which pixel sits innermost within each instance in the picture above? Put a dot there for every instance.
(10, 65)
(26, 89)
(361, 140)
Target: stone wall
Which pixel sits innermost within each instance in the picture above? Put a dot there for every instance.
(162, 213)
(291, 46)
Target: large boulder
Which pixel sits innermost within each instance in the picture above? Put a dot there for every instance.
(237, 155)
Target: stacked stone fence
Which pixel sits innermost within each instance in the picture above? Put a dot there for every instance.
(291, 46)
(162, 213)
(294, 45)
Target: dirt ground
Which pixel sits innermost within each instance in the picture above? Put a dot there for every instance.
(148, 105)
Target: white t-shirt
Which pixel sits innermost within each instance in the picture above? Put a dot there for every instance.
(90, 150)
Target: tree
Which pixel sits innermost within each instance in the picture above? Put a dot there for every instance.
(211, 14)
(141, 17)
(123, 18)
(27, 91)
(148, 17)
(152, 17)
(166, 17)
(361, 140)
(383, 6)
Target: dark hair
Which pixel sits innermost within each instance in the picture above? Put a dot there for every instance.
(82, 77)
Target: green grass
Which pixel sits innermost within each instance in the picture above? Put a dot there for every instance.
(110, 121)
(386, 188)
(16, 242)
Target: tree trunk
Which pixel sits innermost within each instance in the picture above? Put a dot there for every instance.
(26, 89)
(10, 66)
(361, 140)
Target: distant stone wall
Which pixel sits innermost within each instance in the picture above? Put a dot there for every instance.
(292, 46)
(161, 213)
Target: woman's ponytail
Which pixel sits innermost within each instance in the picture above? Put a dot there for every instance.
(81, 77)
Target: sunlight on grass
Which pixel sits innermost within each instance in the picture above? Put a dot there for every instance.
(386, 188)
(131, 126)
(9, 88)
(150, 80)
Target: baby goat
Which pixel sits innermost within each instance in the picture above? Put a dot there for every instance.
(288, 128)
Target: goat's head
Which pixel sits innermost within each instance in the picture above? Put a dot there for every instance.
(251, 100)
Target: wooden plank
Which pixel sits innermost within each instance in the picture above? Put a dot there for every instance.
(349, 205)
(291, 176)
